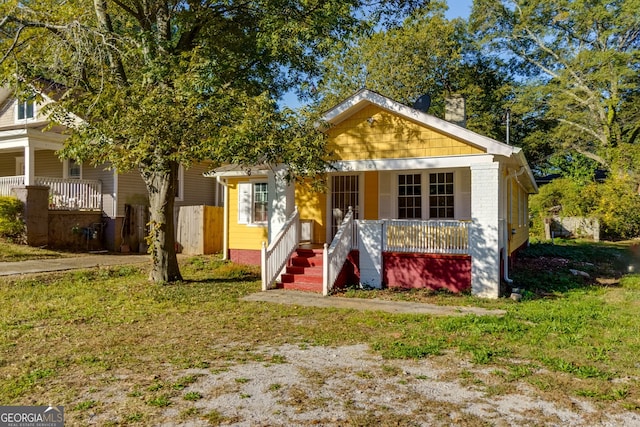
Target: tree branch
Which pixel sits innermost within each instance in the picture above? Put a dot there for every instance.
(104, 21)
(13, 44)
(583, 128)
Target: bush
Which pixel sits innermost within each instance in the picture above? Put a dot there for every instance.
(615, 202)
(11, 224)
(574, 199)
(619, 208)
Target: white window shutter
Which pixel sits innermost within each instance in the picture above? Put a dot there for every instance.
(244, 202)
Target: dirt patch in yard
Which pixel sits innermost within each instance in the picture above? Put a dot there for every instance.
(341, 386)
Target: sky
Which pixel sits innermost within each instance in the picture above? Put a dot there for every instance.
(457, 9)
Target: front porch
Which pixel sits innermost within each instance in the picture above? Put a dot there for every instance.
(64, 193)
(373, 253)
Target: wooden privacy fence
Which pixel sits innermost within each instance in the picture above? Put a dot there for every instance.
(199, 229)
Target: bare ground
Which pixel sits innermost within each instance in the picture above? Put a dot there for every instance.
(344, 386)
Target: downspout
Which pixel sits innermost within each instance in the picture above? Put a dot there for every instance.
(507, 231)
(225, 221)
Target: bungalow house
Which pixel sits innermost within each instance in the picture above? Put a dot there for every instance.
(411, 201)
(94, 199)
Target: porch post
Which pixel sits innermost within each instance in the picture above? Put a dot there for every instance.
(29, 165)
(484, 241)
(281, 201)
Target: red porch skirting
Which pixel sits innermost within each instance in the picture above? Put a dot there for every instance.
(245, 256)
(430, 271)
(413, 270)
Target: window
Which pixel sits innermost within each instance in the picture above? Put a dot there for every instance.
(26, 110)
(409, 196)
(253, 203)
(441, 195)
(75, 169)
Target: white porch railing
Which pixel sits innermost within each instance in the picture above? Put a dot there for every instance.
(335, 255)
(274, 257)
(432, 236)
(9, 182)
(72, 194)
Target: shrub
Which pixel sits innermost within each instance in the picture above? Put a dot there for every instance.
(619, 208)
(615, 202)
(574, 198)
(11, 224)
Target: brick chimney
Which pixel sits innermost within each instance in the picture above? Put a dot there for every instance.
(455, 110)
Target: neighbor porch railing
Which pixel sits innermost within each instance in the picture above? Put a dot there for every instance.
(432, 236)
(64, 194)
(9, 182)
(274, 257)
(72, 194)
(334, 256)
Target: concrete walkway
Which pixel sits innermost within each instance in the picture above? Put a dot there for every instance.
(62, 264)
(309, 299)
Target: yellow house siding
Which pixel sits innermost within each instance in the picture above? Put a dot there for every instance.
(370, 203)
(311, 205)
(518, 219)
(242, 236)
(374, 133)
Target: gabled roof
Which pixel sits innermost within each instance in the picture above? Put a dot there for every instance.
(366, 97)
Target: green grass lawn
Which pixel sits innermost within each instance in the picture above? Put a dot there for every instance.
(13, 252)
(570, 336)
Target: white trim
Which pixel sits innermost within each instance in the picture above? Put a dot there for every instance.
(424, 185)
(329, 198)
(115, 193)
(20, 162)
(248, 211)
(416, 163)
(180, 196)
(66, 165)
(25, 120)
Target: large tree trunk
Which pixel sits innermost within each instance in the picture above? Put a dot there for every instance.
(161, 188)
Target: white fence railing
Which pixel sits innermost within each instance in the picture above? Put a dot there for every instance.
(275, 257)
(64, 194)
(9, 182)
(72, 194)
(334, 256)
(432, 236)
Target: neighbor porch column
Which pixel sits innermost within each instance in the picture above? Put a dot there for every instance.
(484, 241)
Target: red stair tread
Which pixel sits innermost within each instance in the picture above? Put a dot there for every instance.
(304, 271)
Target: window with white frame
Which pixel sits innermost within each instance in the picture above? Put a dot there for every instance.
(441, 195)
(253, 202)
(75, 169)
(25, 110)
(410, 196)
